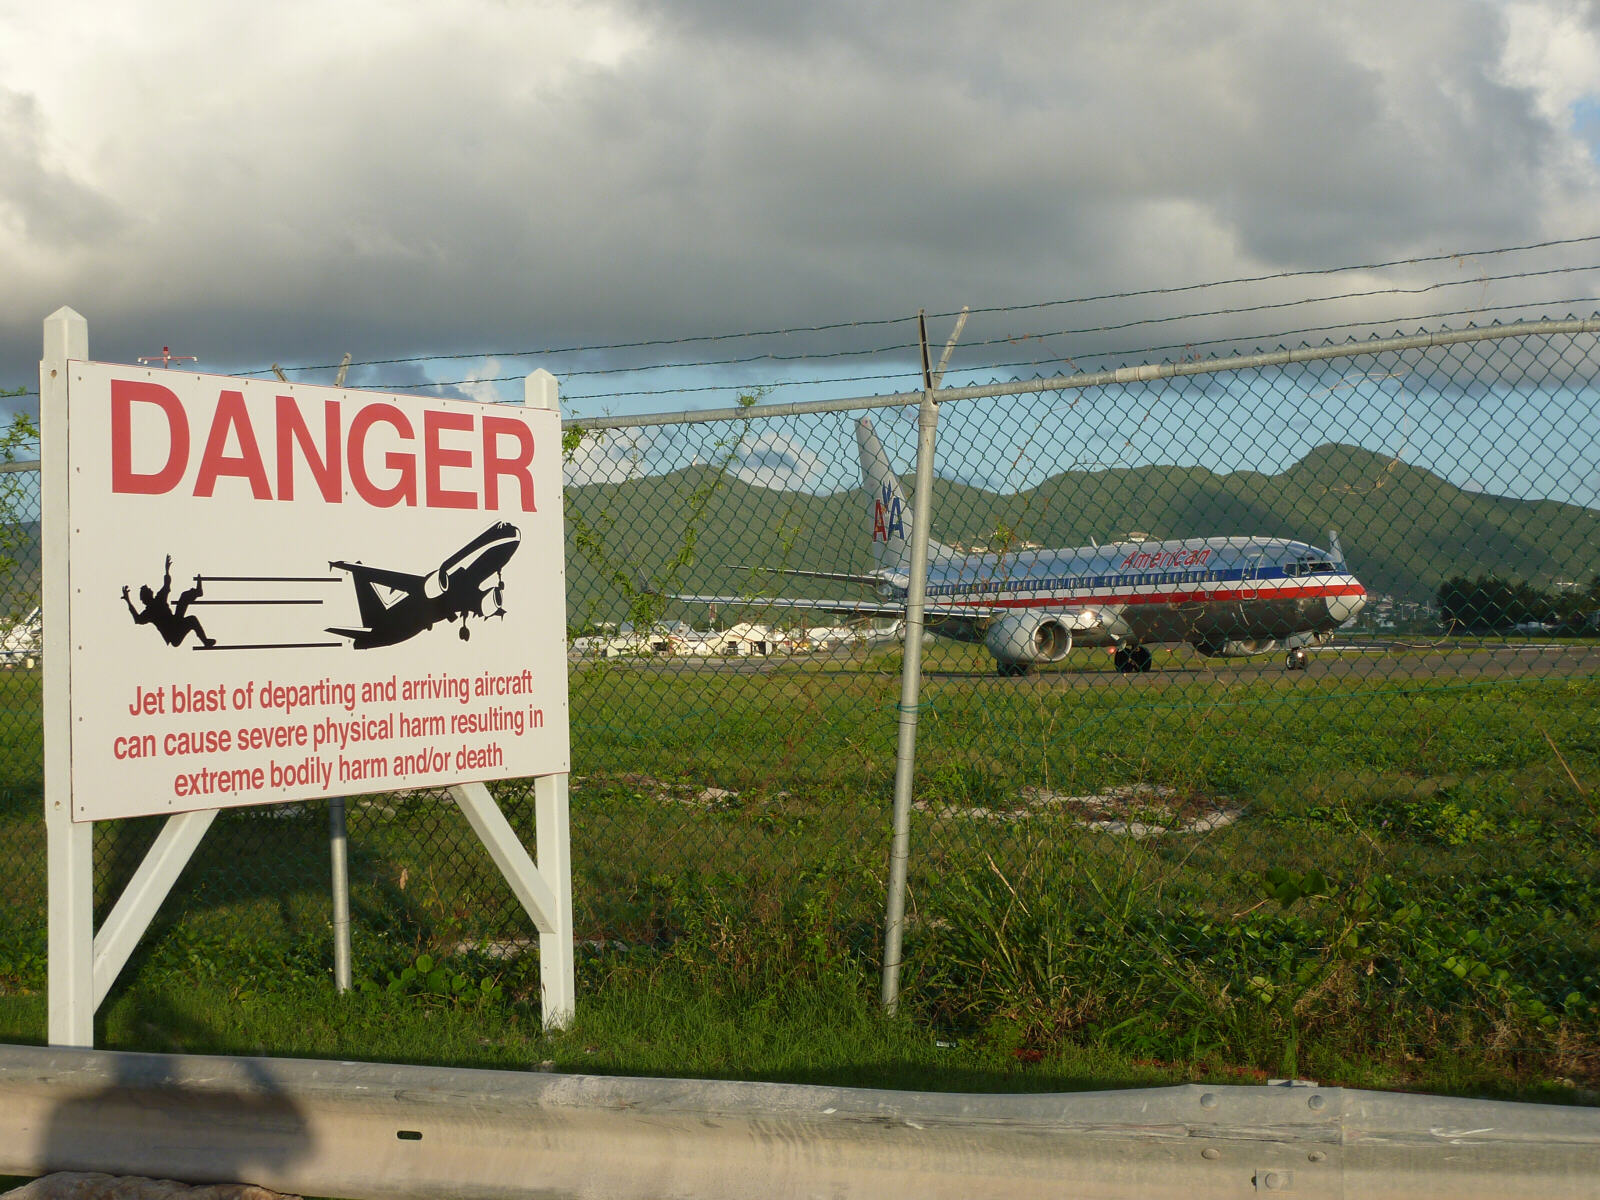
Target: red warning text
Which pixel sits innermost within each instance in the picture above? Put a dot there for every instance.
(454, 459)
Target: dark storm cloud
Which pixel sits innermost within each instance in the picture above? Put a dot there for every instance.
(745, 166)
(47, 206)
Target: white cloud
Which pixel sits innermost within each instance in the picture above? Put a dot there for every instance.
(1552, 47)
(770, 460)
(612, 456)
(483, 383)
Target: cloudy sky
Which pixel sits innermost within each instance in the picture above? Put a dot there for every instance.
(289, 182)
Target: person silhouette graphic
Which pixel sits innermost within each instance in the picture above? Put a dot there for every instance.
(172, 621)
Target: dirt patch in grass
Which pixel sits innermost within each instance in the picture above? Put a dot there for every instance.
(1136, 810)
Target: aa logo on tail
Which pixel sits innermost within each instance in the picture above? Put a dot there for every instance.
(887, 521)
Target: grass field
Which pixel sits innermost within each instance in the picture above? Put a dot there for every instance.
(1381, 872)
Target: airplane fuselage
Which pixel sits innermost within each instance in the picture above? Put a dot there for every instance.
(1214, 593)
(460, 588)
(483, 556)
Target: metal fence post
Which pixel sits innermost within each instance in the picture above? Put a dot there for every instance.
(910, 691)
(339, 858)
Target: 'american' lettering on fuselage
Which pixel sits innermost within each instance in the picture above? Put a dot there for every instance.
(1142, 560)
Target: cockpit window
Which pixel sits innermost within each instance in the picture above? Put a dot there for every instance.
(1308, 566)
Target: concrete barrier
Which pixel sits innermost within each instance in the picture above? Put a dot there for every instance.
(362, 1130)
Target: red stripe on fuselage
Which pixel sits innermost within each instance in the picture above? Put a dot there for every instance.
(1172, 597)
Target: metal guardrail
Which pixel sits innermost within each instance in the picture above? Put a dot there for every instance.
(363, 1130)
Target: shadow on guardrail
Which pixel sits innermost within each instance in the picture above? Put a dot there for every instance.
(153, 1115)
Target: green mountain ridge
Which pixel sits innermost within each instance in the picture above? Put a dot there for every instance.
(1404, 529)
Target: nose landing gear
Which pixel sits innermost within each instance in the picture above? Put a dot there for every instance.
(1297, 659)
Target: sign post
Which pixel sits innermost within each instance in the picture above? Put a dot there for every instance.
(70, 844)
(259, 592)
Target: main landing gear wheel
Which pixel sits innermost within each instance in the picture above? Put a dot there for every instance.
(1297, 659)
(1133, 660)
(1011, 670)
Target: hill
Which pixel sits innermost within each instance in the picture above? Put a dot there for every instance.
(19, 567)
(1404, 529)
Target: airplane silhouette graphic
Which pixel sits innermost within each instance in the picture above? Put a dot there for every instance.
(396, 605)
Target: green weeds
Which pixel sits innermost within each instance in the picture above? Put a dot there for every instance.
(1197, 875)
(1070, 946)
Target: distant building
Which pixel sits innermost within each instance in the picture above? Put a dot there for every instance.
(22, 640)
(1384, 612)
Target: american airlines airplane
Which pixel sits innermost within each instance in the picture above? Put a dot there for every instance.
(1225, 596)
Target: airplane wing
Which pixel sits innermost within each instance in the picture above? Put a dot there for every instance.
(400, 581)
(834, 576)
(369, 602)
(847, 608)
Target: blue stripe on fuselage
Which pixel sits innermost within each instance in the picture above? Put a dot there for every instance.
(1102, 568)
(1001, 587)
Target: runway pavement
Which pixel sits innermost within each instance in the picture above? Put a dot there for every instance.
(1442, 660)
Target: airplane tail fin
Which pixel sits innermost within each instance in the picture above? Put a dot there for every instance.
(888, 510)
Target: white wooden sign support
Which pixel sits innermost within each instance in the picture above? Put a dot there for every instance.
(84, 962)
(544, 889)
(71, 843)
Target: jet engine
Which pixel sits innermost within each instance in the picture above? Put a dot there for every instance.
(489, 604)
(1020, 640)
(436, 584)
(1237, 648)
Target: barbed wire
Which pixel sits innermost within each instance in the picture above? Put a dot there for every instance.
(1302, 273)
(1014, 339)
(874, 351)
(769, 384)
(975, 368)
(903, 346)
(1283, 304)
(878, 322)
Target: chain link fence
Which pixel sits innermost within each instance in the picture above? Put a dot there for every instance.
(1259, 709)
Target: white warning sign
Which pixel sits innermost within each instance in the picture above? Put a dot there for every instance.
(280, 592)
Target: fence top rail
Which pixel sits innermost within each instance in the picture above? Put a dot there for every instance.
(1134, 374)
